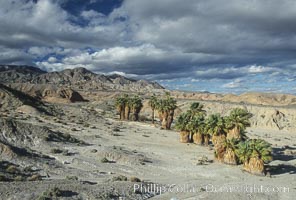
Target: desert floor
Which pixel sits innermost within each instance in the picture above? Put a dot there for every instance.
(142, 150)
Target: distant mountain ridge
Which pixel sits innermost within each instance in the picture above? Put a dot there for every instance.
(18, 73)
(255, 98)
(78, 78)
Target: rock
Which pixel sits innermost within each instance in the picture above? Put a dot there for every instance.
(70, 94)
(94, 151)
(25, 109)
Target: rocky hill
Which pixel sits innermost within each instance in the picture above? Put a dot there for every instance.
(11, 100)
(18, 74)
(77, 79)
(48, 92)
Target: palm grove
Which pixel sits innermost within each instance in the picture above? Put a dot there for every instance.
(225, 133)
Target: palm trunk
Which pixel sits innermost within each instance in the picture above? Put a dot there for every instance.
(230, 157)
(191, 136)
(197, 138)
(170, 119)
(214, 139)
(234, 133)
(127, 112)
(255, 166)
(160, 115)
(136, 114)
(164, 120)
(152, 116)
(122, 113)
(219, 153)
(206, 140)
(218, 141)
(184, 137)
(119, 109)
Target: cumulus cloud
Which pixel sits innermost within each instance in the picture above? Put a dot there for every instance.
(44, 23)
(215, 26)
(224, 41)
(15, 56)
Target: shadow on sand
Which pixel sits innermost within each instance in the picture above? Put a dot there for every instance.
(282, 154)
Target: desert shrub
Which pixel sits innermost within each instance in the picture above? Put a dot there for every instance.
(104, 160)
(35, 177)
(119, 178)
(18, 178)
(12, 169)
(72, 178)
(3, 178)
(86, 125)
(50, 194)
(28, 169)
(46, 138)
(66, 135)
(56, 151)
(66, 153)
(62, 137)
(94, 151)
(116, 129)
(135, 179)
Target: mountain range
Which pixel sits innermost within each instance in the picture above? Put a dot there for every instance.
(78, 78)
(76, 84)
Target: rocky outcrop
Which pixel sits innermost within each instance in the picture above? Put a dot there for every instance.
(280, 119)
(27, 135)
(65, 94)
(6, 152)
(22, 134)
(70, 94)
(11, 99)
(49, 93)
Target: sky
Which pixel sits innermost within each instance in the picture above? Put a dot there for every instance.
(222, 46)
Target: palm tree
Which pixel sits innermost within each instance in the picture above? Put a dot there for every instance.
(166, 108)
(196, 127)
(237, 122)
(215, 126)
(253, 153)
(197, 107)
(230, 156)
(172, 105)
(181, 125)
(153, 104)
(162, 109)
(136, 106)
(120, 105)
